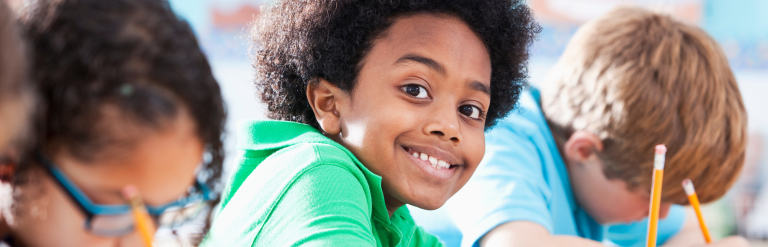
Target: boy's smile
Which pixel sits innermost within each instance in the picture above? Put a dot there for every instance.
(435, 162)
(416, 115)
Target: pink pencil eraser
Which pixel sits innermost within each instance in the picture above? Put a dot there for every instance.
(661, 149)
(130, 191)
(688, 187)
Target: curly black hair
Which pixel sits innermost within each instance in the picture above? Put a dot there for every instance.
(135, 55)
(296, 42)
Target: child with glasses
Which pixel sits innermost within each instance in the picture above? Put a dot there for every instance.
(128, 101)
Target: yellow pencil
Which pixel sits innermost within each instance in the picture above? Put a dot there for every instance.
(144, 223)
(691, 192)
(658, 177)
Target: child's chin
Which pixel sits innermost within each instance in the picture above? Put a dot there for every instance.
(604, 220)
(429, 204)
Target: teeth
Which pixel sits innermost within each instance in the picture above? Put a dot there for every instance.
(435, 162)
(443, 164)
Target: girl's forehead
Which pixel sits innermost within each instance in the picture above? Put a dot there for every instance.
(145, 162)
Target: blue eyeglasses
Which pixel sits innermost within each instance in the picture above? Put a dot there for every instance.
(117, 220)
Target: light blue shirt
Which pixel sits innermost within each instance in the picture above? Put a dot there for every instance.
(523, 178)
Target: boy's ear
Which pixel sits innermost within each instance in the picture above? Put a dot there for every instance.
(581, 146)
(323, 98)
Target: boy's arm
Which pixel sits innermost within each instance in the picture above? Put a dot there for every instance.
(525, 233)
(690, 235)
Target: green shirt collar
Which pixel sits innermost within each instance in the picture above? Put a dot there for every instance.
(270, 135)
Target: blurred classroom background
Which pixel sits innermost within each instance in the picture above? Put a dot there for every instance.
(740, 27)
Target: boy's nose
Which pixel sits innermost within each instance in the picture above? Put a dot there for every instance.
(664, 210)
(445, 126)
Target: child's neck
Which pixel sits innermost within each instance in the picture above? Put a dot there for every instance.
(560, 136)
(392, 203)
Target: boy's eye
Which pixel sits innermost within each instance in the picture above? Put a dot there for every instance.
(415, 91)
(470, 111)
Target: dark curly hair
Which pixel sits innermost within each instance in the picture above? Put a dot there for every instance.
(135, 55)
(296, 42)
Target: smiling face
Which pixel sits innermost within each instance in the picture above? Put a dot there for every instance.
(416, 114)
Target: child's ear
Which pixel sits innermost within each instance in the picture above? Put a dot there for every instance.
(582, 146)
(324, 98)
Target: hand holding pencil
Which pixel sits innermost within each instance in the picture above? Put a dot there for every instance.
(653, 221)
(733, 241)
(691, 192)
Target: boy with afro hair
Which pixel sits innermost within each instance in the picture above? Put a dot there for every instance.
(385, 104)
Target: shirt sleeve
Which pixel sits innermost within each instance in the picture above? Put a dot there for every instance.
(326, 206)
(635, 233)
(507, 186)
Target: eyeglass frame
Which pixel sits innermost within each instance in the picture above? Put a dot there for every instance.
(91, 209)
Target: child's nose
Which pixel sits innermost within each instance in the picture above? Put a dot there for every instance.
(664, 210)
(444, 126)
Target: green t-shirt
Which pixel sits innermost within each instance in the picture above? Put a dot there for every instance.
(293, 186)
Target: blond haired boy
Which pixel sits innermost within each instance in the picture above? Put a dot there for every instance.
(573, 167)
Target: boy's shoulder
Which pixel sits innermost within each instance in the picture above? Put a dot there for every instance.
(275, 153)
(290, 160)
(285, 150)
(302, 157)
